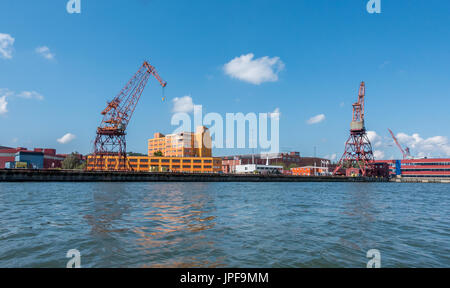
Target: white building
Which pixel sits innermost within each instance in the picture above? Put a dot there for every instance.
(255, 168)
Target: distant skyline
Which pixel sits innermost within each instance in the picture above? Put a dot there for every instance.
(301, 59)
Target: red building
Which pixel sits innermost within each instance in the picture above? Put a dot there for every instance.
(428, 168)
(51, 159)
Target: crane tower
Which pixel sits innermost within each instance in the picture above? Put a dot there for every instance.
(358, 150)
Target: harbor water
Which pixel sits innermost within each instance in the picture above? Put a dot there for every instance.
(224, 224)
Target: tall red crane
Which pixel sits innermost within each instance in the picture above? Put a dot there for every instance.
(110, 140)
(358, 150)
(406, 153)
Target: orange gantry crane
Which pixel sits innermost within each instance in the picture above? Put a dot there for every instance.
(406, 153)
(110, 139)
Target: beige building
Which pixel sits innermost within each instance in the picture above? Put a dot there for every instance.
(184, 144)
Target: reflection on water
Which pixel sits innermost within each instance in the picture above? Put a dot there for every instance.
(107, 207)
(177, 214)
(224, 224)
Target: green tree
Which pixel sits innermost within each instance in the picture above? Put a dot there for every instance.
(74, 161)
(158, 154)
(135, 154)
(280, 164)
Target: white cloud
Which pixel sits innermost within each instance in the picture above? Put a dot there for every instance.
(429, 147)
(316, 119)
(378, 154)
(254, 71)
(384, 64)
(6, 46)
(30, 95)
(6, 93)
(331, 157)
(275, 114)
(66, 138)
(375, 139)
(44, 51)
(3, 105)
(183, 105)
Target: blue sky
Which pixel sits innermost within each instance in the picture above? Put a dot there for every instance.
(62, 68)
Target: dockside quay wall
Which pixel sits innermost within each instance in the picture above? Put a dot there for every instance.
(103, 176)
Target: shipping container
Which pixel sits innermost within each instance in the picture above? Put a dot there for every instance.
(10, 165)
(21, 165)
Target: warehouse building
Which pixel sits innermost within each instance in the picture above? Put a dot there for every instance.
(163, 164)
(287, 160)
(258, 169)
(38, 158)
(419, 168)
(310, 171)
(184, 152)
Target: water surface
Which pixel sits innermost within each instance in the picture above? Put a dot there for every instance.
(224, 224)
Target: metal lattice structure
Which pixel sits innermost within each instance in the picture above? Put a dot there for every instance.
(110, 140)
(358, 149)
(406, 153)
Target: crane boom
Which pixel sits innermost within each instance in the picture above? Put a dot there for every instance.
(406, 153)
(119, 111)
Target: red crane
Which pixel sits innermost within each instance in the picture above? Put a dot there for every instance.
(406, 153)
(110, 140)
(358, 150)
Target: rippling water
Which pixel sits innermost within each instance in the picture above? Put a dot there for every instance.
(224, 224)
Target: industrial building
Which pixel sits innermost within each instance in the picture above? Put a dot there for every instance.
(258, 169)
(419, 168)
(185, 152)
(184, 144)
(229, 163)
(160, 164)
(310, 171)
(34, 159)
